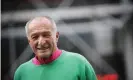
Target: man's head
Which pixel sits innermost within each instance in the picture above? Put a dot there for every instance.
(42, 36)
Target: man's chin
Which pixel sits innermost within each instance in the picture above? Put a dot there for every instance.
(44, 55)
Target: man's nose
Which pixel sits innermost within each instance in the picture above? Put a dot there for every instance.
(41, 40)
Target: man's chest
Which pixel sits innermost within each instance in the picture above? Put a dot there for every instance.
(56, 73)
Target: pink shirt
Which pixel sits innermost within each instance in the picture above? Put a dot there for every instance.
(54, 56)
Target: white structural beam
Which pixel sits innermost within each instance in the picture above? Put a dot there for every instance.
(77, 27)
(68, 13)
(129, 56)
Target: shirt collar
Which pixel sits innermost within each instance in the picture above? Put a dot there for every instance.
(54, 56)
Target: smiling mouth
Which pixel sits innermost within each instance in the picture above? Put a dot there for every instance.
(43, 49)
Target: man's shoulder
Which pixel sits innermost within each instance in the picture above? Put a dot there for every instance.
(23, 65)
(21, 69)
(74, 55)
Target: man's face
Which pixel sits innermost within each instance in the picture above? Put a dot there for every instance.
(42, 38)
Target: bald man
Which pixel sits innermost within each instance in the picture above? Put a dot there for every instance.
(51, 63)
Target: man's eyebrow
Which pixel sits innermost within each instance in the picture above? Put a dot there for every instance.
(46, 32)
(33, 34)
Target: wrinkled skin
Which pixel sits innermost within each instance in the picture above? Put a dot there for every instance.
(42, 37)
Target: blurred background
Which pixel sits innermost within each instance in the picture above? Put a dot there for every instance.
(100, 30)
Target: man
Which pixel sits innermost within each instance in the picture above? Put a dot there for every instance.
(51, 63)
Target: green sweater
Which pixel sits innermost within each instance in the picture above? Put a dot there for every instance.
(68, 66)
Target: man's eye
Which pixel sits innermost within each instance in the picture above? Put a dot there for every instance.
(46, 35)
(34, 37)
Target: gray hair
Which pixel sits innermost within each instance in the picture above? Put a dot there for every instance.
(47, 17)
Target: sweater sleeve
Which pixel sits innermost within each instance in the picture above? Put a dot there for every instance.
(86, 70)
(89, 72)
(17, 75)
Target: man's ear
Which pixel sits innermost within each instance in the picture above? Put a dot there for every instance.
(57, 36)
(28, 40)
